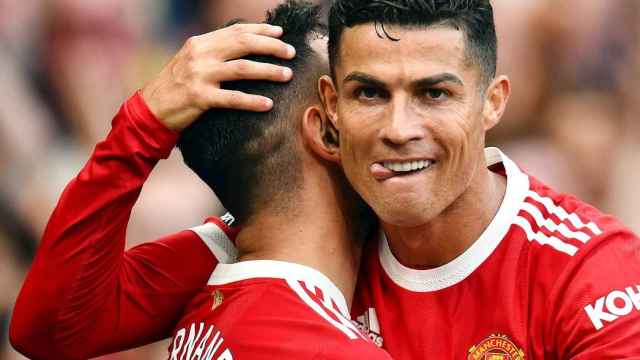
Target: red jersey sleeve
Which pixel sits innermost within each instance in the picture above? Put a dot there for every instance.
(597, 301)
(84, 295)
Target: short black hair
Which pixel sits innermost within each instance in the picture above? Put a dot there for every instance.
(473, 17)
(250, 159)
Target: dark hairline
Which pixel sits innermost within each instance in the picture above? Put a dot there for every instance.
(469, 57)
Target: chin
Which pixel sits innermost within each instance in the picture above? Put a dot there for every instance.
(404, 216)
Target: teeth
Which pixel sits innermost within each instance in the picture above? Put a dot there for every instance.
(407, 165)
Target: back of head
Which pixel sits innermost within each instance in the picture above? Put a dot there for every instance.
(473, 17)
(251, 160)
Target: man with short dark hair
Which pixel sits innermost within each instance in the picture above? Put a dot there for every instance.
(289, 293)
(475, 259)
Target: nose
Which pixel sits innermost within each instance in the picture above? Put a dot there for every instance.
(402, 126)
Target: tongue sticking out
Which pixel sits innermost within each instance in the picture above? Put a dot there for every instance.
(381, 173)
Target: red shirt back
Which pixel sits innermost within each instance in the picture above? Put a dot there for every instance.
(269, 310)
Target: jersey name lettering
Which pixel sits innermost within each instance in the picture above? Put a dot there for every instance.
(198, 344)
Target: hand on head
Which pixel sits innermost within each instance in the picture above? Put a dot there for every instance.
(190, 83)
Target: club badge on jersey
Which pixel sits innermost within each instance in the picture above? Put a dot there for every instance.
(496, 347)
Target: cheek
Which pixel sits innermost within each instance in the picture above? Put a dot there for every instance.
(351, 150)
(354, 155)
(356, 135)
(460, 132)
(469, 149)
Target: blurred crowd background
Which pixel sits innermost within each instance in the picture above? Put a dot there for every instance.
(67, 65)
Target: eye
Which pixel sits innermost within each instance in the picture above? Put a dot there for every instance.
(368, 93)
(436, 94)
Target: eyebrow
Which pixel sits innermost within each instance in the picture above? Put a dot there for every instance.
(437, 79)
(421, 83)
(365, 79)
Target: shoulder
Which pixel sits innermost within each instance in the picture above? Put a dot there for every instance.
(296, 307)
(570, 209)
(265, 318)
(602, 278)
(590, 281)
(594, 307)
(568, 235)
(562, 228)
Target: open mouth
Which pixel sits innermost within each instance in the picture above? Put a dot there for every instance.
(387, 169)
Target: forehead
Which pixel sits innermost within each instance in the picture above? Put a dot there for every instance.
(433, 49)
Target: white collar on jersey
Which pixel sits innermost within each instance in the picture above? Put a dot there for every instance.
(290, 272)
(459, 268)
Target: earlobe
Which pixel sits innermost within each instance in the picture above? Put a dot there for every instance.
(497, 97)
(320, 134)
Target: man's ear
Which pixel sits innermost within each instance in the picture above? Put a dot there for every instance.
(320, 134)
(495, 103)
(329, 97)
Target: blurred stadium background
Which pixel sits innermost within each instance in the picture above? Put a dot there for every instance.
(67, 65)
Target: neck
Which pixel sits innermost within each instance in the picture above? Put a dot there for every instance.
(314, 233)
(435, 244)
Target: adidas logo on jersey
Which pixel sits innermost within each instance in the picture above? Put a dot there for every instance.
(614, 305)
(369, 326)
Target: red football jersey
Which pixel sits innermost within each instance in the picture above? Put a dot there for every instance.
(550, 278)
(269, 310)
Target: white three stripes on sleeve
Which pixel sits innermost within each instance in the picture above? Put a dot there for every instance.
(548, 223)
(348, 329)
(552, 226)
(544, 239)
(562, 213)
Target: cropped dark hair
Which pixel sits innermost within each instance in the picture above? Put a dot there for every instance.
(473, 17)
(249, 158)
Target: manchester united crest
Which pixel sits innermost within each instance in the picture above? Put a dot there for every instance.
(496, 347)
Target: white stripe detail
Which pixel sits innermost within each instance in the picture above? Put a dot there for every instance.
(293, 284)
(257, 269)
(217, 241)
(326, 300)
(543, 239)
(552, 226)
(292, 273)
(328, 303)
(562, 213)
